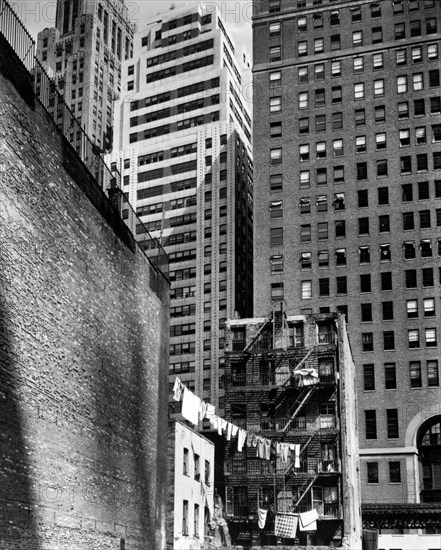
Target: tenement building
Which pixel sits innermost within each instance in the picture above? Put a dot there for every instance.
(182, 145)
(84, 53)
(290, 387)
(347, 126)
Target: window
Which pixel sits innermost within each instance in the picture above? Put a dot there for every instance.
(275, 104)
(302, 24)
(386, 280)
(415, 28)
(339, 201)
(336, 68)
(385, 253)
(274, 6)
(302, 48)
(303, 125)
(306, 290)
(305, 233)
(276, 209)
(375, 11)
(429, 307)
(370, 417)
(417, 82)
(431, 25)
(394, 472)
(304, 179)
(335, 42)
(388, 310)
(276, 263)
(402, 84)
(407, 192)
(359, 90)
(275, 79)
(366, 313)
(357, 38)
(364, 253)
(434, 78)
(432, 52)
(302, 74)
(324, 287)
(401, 57)
(367, 340)
(430, 337)
(276, 182)
(406, 165)
(355, 15)
(417, 54)
(403, 110)
(360, 117)
(390, 376)
(305, 260)
(275, 53)
(303, 100)
(317, 20)
(186, 458)
(277, 291)
(275, 29)
(415, 374)
(358, 64)
(276, 155)
(381, 168)
(322, 231)
(339, 174)
(437, 161)
(424, 219)
(369, 377)
(377, 35)
(388, 340)
(365, 282)
(409, 250)
(419, 107)
(321, 149)
(334, 18)
(377, 61)
(411, 278)
(320, 123)
(363, 197)
(392, 423)
(426, 248)
(322, 203)
(323, 258)
(304, 152)
(185, 518)
(432, 373)
(342, 285)
(420, 136)
(412, 308)
(383, 223)
(277, 236)
(337, 146)
(380, 113)
(404, 137)
(435, 105)
(337, 121)
(319, 45)
(340, 255)
(360, 144)
(319, 97)
(336, 94)
(400, 31)
(372, 472)
(275, 129)
(383, 195)
(319, 72)
(413, 338)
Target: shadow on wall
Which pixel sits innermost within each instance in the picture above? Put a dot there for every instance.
(18, 519)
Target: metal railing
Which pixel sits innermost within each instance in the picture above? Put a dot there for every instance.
(299, 423)
(324, 511)
(47, 93)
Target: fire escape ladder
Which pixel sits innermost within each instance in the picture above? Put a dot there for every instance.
(302, 450)
(268, 318)
(304, 396)
(299, 365)
(310, 484)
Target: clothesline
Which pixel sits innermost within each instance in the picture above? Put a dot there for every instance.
(194, 409)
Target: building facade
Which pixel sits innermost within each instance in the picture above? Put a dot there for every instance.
(84, 53)
(349, 209)
(182, 146)
(191, 488)
(290, 380)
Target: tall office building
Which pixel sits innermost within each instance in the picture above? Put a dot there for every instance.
(182, 145)
(347, 126)
(84, 53)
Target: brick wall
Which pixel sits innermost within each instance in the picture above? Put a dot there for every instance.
(83, 351)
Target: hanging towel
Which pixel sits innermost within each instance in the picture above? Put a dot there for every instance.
(210, 410)
(202, 410)
(242, 435)
(308, 521)
(260, 447)
(177, 389)
(267, 449)
(297, 456)
(190, 406)
(261, 514)
(284, 448)
(229, 430)
(286, 526)
(234, 430)
(213, 421)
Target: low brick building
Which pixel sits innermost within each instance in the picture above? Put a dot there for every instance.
(290, 384)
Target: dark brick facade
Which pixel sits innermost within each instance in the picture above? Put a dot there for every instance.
(83, 351)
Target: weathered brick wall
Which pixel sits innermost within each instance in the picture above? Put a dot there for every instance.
(83, 352)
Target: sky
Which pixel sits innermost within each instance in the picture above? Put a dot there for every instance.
(39, 14)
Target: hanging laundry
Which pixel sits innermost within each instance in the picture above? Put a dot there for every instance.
(213, 420)
(210, 410)
(234, 430)
(229, 430)
(190, 406)
(284, 448)
(202, 410)
(221, 426)
(308, 521)
(177, 389)
(286, 526)
(261, 515)
(241, 436)
(296, 456)
(267, 449)
(252, 440)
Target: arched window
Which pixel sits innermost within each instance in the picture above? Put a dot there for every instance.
(429, 448)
